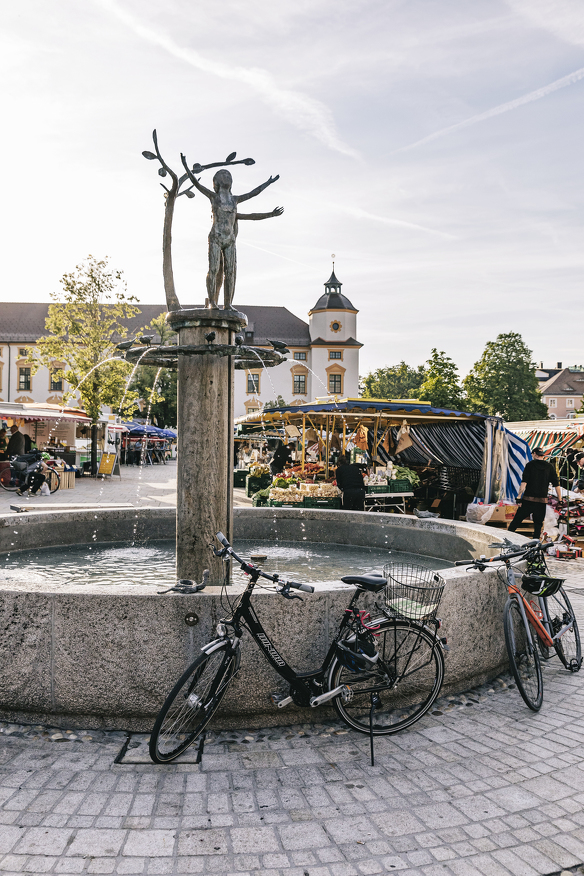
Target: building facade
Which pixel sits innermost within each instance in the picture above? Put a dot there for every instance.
(323, 358)
(562, 390)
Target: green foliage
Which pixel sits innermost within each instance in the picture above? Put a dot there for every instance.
(394, 381)
(279, 403)
(83, 327)
(441, 386)
(503, 381)
(157, 388)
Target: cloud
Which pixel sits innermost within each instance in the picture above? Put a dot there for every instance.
(298, 109)
(570, 79)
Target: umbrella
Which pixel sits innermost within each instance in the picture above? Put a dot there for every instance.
(140, 429)
(167, 433)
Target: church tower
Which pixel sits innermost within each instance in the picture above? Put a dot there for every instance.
(334, 348)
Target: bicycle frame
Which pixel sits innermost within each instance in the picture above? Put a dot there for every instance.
(529, 615)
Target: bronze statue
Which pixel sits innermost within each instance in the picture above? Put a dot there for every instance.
(222, 256)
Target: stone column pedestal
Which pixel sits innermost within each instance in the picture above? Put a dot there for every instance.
(205, 440)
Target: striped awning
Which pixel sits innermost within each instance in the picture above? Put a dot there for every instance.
(554, 443)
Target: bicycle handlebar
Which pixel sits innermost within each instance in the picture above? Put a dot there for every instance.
(249, 567)
(482, 562)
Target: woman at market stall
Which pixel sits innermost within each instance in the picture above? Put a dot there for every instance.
(350, 482)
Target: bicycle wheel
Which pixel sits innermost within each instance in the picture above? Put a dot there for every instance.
(567, 647)
(414, 676)
(8, 480)
(524, 659)
(192, 703)
(53, 480)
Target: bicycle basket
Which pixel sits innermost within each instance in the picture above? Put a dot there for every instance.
(541, 585)
(412, 592)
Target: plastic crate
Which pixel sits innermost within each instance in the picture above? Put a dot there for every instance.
(316, 502)
(403, 486)
(252, 485)
(258, 501)
(273, 504)
(239, 476)
(378, 488)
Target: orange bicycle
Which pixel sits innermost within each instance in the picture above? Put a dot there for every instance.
(543, 608)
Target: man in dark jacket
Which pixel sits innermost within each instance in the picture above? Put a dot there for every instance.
(16, 442)
(350, 481)
(282, 458)
(533, 492)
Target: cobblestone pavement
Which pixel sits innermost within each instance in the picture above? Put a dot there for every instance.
(481, 787)
(152, 485)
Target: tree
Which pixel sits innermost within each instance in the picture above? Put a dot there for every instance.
(83, 327)
(441, 384)
(503, 381)
(279, 403)
(157, 387)
(394, 381)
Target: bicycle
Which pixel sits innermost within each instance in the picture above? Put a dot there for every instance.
(18, 475)
(382, 674)
(545, 610)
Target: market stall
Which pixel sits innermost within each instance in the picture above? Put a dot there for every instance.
(444, 459)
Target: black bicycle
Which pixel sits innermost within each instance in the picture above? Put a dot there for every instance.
(19, 475)
(381, 674)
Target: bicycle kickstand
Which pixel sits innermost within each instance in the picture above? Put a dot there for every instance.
(375, 701)
(201, 747)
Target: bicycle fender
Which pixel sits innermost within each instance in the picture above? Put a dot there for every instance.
(214, 645)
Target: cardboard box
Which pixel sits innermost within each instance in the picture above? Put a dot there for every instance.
(503, 514)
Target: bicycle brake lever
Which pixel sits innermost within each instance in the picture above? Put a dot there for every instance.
(285, 592)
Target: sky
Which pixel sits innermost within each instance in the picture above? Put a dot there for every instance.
(434, 148)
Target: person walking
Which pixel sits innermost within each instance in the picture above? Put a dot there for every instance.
(533, 492)
(350, 482)
(578, 485)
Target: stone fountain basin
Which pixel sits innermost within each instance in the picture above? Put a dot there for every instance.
(106, 656)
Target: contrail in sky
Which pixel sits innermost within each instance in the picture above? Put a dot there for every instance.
(297, 108)
(570, 79)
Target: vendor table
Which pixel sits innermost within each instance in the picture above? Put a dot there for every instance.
(384, 501)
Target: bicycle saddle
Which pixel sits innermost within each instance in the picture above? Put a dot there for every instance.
(373, 583)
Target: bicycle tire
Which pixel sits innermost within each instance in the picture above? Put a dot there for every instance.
(401, 704)
(192, 703)
(525, 662)
(53, 481)
(7, 480)
(568, 647)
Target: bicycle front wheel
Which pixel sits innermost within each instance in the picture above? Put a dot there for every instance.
(8, 480)
(403, 687)
(53, 481)
(523, 657)
(567, 646)
(192, 703)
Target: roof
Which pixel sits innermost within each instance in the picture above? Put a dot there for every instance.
(564, 382)
(350, 342)
(24, 323)
(333, 299)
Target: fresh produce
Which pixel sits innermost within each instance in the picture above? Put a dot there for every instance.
(406, 474)
(258, 470)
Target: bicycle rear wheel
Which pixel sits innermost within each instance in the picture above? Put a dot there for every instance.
(53, 481)
(8, 480)
(192, 703)
(523, 657)
(568, 646)
(415, 665)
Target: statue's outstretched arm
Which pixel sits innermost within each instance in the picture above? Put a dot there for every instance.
(277, 211)
(204, 191)
(259, 189)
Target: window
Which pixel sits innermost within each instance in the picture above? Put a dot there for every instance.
(552, 403)
(335, 354)
(336, 326)
(569, 402)
(252, 410)
(299, 384)
(22, 353)
(249, 336)
(336, 383)
(301, 356)
(253, 383)
(56, 384)
(24, 378)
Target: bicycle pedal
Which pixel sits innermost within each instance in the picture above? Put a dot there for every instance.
(280, 700)
(347, 694)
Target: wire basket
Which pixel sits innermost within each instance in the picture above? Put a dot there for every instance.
(412, 592)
